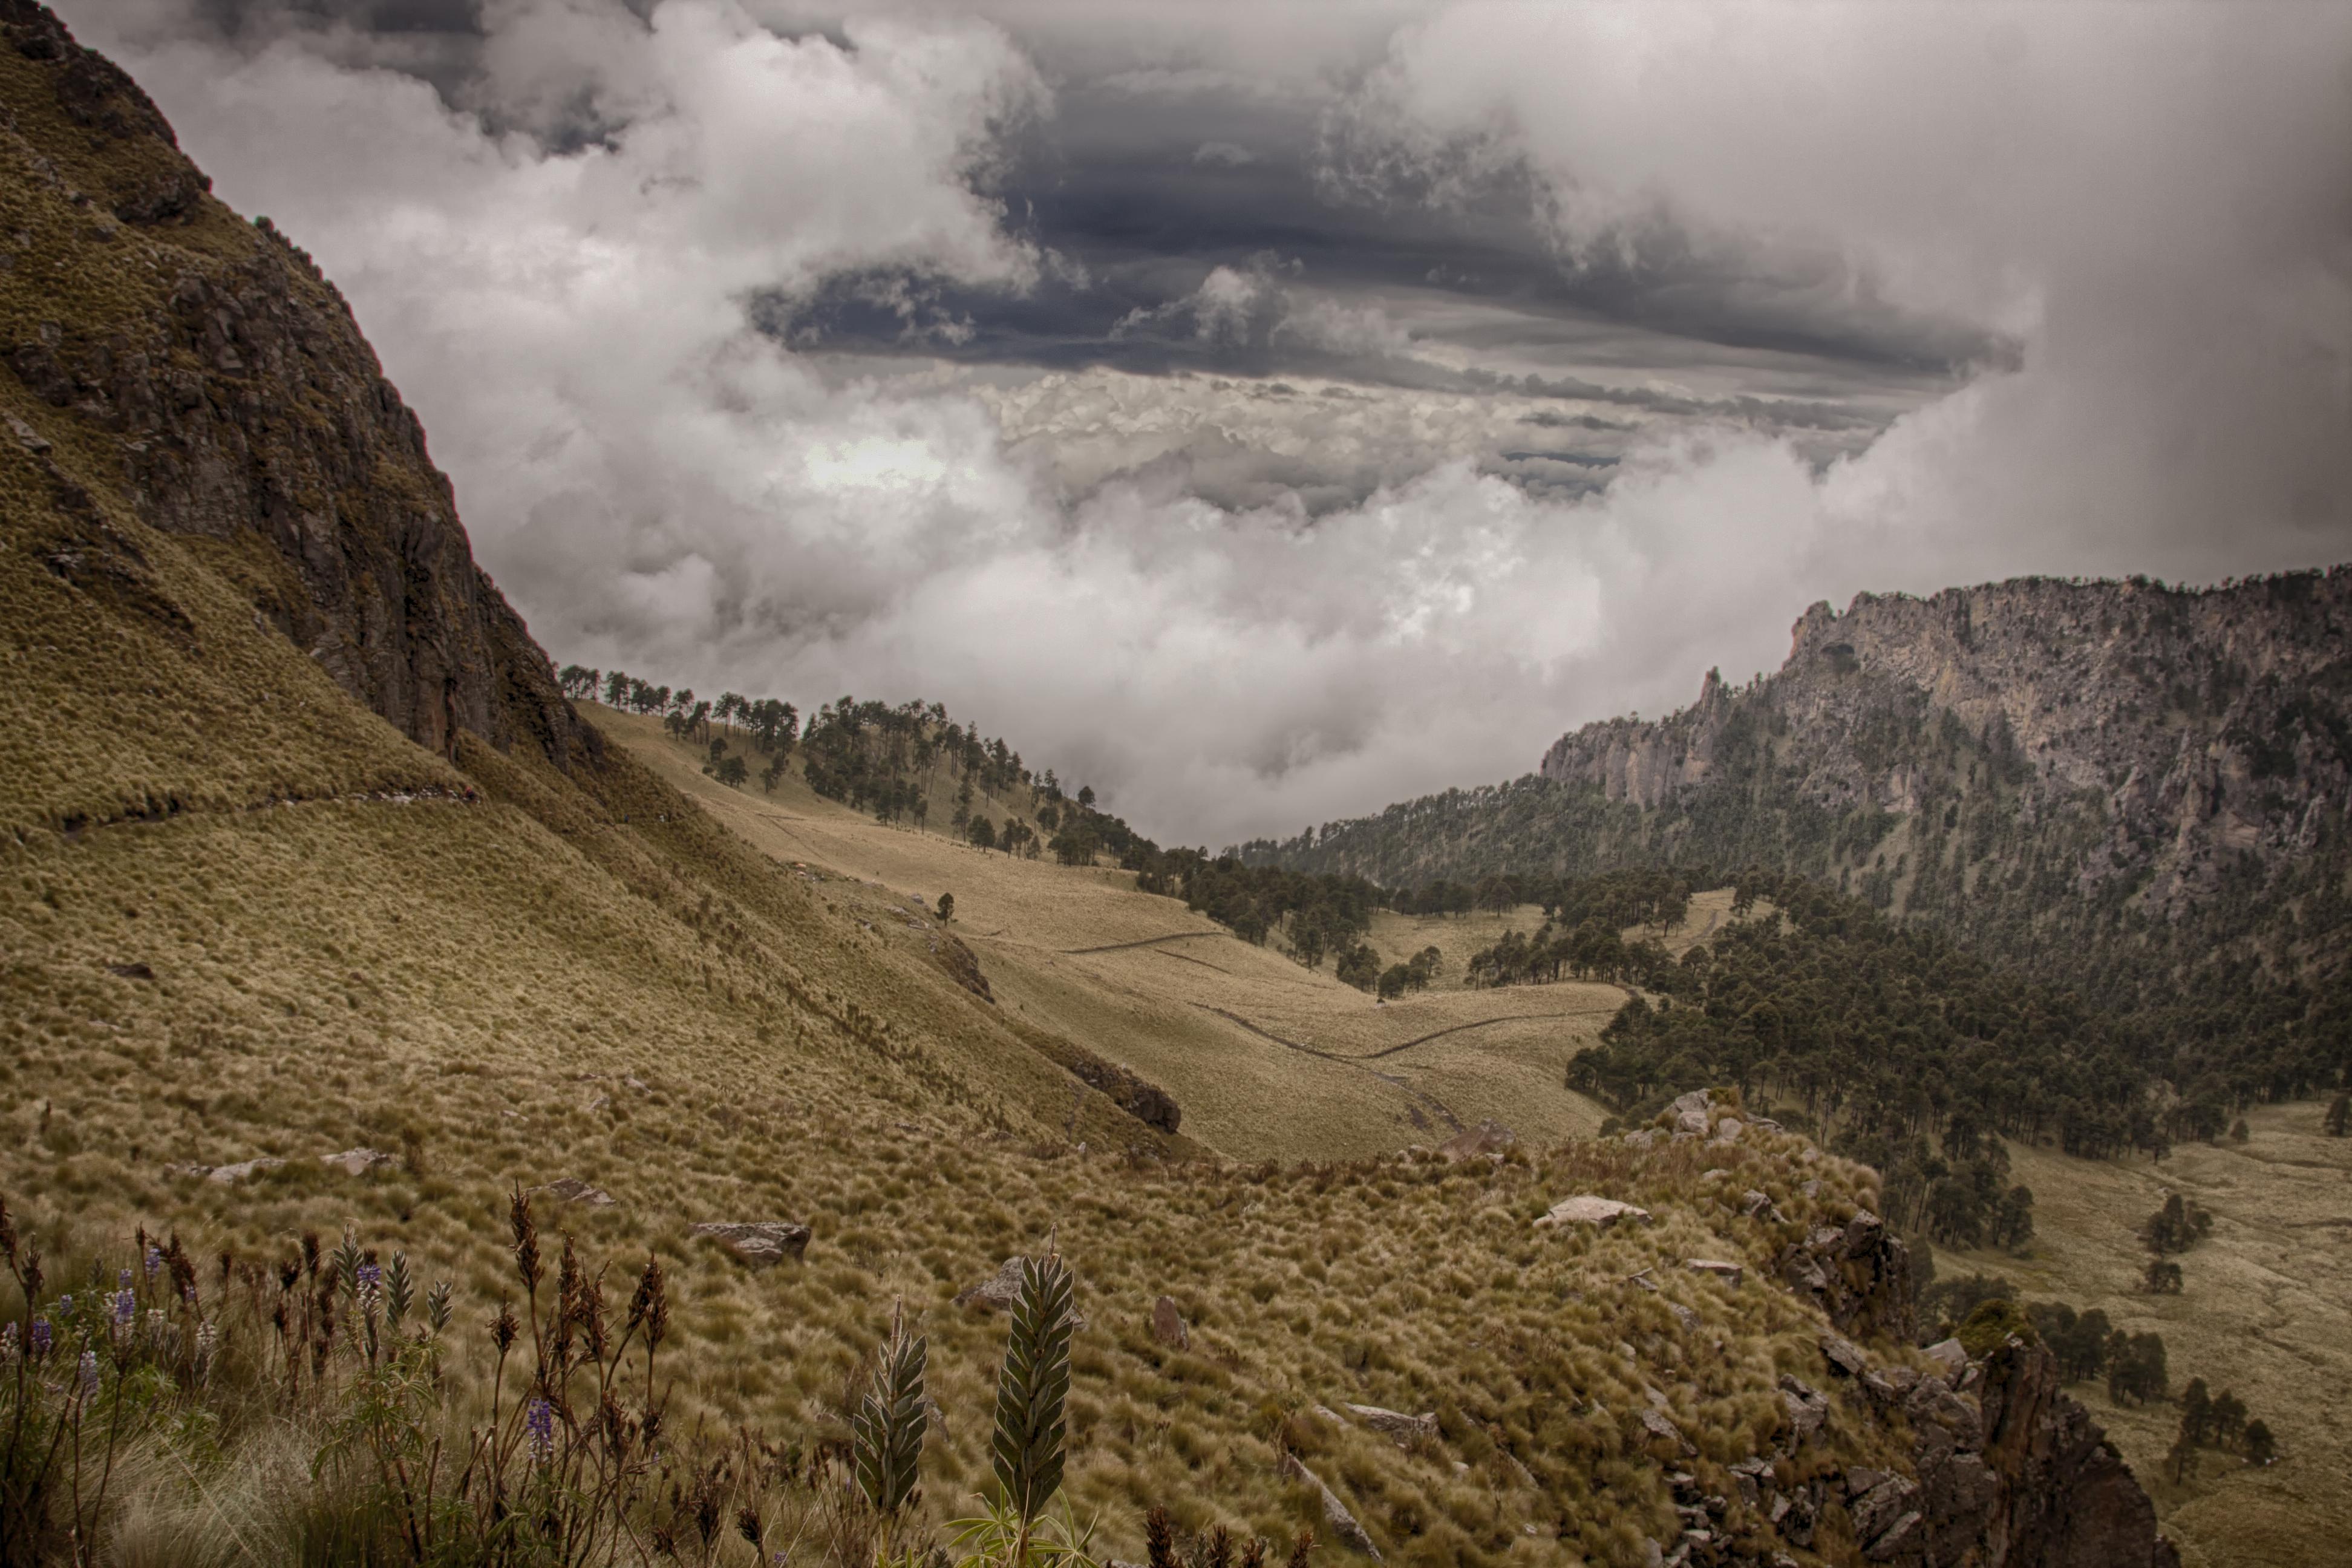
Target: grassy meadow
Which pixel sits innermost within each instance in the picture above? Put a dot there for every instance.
(2263, 1310)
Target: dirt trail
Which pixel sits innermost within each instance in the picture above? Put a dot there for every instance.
(1456, 1029)
(1147, 941)
(1422, 1095)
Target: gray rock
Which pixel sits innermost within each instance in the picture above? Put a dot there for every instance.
(1336, 1517)
(1487, 1139)
(359, 1161)
(1949, 1354)
(1728, 1130)
(1168, 1325)
(1807, 1410)
(229, 1176)
(573, 1190)
(1598, 1213)
(1729, 1273)
(1697, 1100)
(1395, 1424)
(1000, 1290)
(1690, 1124)
(1657, 1425)
(1843, 1355)
(762, 1244)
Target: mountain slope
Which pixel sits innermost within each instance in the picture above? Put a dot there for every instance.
(2136, 791)
(307, 853)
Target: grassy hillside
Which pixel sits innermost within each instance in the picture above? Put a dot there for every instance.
(1267, 1058)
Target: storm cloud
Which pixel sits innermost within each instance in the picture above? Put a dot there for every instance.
(1265, 413)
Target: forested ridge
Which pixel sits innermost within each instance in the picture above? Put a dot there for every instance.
(2133, 793)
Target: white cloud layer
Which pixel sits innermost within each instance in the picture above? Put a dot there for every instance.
(2157, 202)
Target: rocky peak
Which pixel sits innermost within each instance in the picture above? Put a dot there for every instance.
(215, 384)
(2139, 740)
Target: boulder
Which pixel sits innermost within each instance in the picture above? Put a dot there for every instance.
(573, 1190)
(1755, 1204)
(1168, 1325)
(762, 1244)
(1843, 1355)
(1806, 1409)
(229, 1176)
(1729, 1273)
(1395, 1424)
(1336, 1517)
(1598, 1213)
(1697, 1100)
(1657, 1425)
(359, 1161)
(1727, 1130)
(1486, 1139)
(1000, 1290)
(1951, 1355)
(1690, 1124)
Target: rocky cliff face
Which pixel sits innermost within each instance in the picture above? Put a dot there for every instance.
(2172, 732)
(209, 366)
(2114, 786)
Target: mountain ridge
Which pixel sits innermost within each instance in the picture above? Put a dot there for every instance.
(2139, 792)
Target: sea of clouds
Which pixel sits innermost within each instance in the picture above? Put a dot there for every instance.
(568, 234)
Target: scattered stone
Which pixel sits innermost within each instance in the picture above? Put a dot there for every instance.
(1642, 1138)
(1754, 1204)
(1727, 1130)
(598, 1103)
(1000, 1290)
(229, 1176)
(1697, 1100)
(1487, 1140)
(1949, 1354)
(1843, 1355)
(1729, 1273)
(1689, 1319)
(1343, 1526)
(1806, 1408)
(131, 971)
(1690, 1124)
(573, 1190)
(1167, 1324)
(1861, 1479)
(762, 1244)
(359, 1161)
(1598, 1213)
(1655, 1423)
(1395, 1424)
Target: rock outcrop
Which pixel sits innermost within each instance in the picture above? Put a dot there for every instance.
(762, 1244)
(227, 383)
(2063, 770)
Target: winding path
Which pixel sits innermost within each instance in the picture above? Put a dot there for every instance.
(1422, 1095)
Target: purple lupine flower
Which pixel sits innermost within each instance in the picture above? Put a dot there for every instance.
(65, 1306)
(540, 1421)
(43, 1337)
(371, 1279)
(123, 1279)
(155, 1261)
(89, 1373)
(126, 1306)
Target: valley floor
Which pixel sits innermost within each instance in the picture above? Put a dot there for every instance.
(2265, 1312)
(1269, 1059)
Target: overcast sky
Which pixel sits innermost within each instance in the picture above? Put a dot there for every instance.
(1265, 411)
